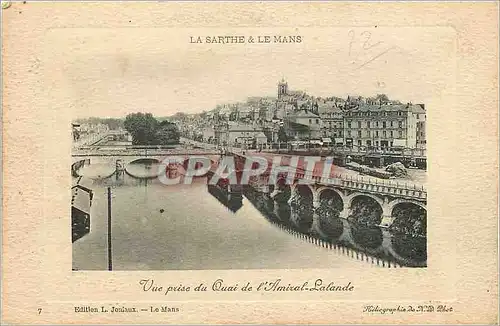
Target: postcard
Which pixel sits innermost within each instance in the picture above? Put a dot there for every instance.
(250, 163)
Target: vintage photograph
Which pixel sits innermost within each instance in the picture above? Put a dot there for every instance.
(281, 179)
(250, 163)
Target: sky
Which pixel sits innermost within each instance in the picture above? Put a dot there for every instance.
(113, 72)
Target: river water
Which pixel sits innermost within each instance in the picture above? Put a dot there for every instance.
(181, 227)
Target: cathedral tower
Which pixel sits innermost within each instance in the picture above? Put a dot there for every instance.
(282, 88)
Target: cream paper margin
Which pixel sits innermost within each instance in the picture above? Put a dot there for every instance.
(463, 162)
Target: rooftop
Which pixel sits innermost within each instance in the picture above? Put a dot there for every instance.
(303, 114)
(394, 107)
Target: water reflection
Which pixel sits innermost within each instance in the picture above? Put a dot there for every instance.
(414, 248)
(96, 171)
(405, 250)
(232, 200)
(144, 168)
(332, 228)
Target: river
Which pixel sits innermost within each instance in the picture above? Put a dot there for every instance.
(195, 227)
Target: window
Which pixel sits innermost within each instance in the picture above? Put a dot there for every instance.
(384, 124)
(349, 133)
(368, 133)
(310, 120)
(392, 124)
(359, 142)
(400, 124)
(340, 133)
(359, 133)
(391, 134)
(384, 134)
(359, 124)
(376, 133)
(400, 134)
(317, 121)
(348, 124)
(376, 124)
(368, 124)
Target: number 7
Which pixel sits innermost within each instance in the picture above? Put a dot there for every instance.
(39, 311)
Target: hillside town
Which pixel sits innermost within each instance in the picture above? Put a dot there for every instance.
(299, 120)
(373, 148)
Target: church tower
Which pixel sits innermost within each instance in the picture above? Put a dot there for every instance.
(282, 88)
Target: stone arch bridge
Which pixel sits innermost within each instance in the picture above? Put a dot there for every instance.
(385, 195)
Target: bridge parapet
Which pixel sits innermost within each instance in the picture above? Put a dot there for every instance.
(356, 150)
(359, 183)
(145, 152)
(367, 185)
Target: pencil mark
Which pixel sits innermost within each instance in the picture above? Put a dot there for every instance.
(366, 45)
(365, 40)
(351, 34)
(375, 57)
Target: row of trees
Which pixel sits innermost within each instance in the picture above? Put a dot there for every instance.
(147, 130)
(112, 123)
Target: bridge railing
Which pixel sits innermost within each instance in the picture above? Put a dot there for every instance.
(418, 152)
(89, 139)
(382, 186)
(408, 152)
(368, 185)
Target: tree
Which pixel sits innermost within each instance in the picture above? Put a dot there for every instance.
(142, 127)
(282, 137)
(179, 116)
(233, 116)
(167, 133)
(268, 133)
(381, 98)
(113, 123)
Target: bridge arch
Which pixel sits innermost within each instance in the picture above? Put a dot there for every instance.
(352, 196)
(408, 216)
(302, 209)
(398, 201)
(321, 190)
(328, 203)
(281, 190)
(299, 187)
(145, 160)
(370, 212)
(304, 189)
(143, 168)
